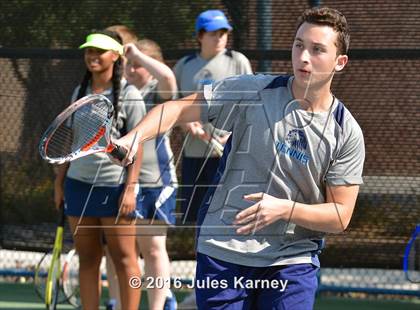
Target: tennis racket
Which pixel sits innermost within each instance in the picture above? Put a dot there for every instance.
(82, 129)
(70, 278)
(214, 145)
(411, 264)
(40, 280)
(52, 286)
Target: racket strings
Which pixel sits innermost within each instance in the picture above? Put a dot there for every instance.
(70, 278)
(63, 132)
(41, 277)
(80, 131)
(413, 272)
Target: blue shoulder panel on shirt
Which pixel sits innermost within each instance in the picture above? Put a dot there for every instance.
(205, 204)
(190, 57)
(339, 114)
(229, 53)
(163, 160)
(280, 81)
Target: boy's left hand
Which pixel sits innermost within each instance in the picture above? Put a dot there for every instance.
(266, 211)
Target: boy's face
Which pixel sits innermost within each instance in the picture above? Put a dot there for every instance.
(136, 75)
(314, 55)
(213, 41)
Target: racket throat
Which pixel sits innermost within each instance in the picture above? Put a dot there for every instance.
(94, 140)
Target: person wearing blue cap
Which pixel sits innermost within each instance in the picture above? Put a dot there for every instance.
(212, 20)
(212, 63)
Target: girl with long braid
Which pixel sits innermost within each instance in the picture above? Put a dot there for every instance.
(100, 197)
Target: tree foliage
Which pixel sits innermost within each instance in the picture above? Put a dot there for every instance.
(63, 24)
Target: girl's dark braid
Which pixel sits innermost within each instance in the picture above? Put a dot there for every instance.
(116, 85)
(84, 84)
(116, 73)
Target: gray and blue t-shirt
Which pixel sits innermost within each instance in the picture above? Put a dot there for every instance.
(193, 72)
(157, 169)
(280, 149)
(97, 168)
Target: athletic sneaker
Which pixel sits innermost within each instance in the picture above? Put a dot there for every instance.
(170, 302)
(111, 304)
(189, 302)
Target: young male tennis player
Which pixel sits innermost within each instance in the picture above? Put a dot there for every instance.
(290, 173)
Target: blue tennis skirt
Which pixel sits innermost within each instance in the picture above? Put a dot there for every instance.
(157, 204)
(101, 202)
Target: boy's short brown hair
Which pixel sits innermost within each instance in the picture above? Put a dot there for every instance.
(127, 35)
(150, 48)
(332, 18)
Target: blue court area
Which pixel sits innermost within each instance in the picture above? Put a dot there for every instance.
(22, 296)
(361, 268)
(339, 288)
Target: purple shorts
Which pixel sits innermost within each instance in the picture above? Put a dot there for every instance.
(223, 285)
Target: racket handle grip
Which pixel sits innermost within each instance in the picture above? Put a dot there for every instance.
(120, 153)
(61, 215)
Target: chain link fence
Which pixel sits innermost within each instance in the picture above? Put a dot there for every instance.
(40, 68)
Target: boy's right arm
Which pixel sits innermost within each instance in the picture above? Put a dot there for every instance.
(219, 104)
(160, 119)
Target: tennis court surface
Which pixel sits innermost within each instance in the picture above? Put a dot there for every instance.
(22, 296)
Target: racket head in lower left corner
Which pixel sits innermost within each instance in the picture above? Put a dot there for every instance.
(53, 284)
(412, 257)
(41, 275)
(70, 278)
(83, 128)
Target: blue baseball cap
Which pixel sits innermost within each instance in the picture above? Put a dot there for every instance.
(211, 20)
